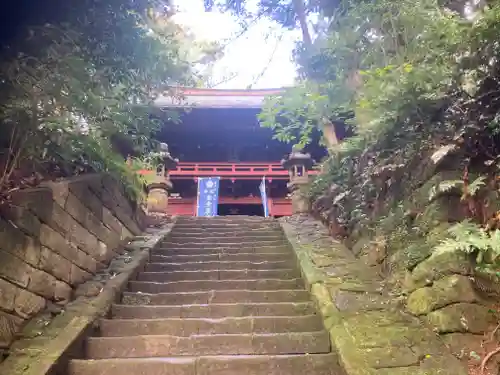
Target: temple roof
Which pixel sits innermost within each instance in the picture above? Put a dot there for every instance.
(216, 98)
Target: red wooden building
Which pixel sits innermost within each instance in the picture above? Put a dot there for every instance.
(219, 136)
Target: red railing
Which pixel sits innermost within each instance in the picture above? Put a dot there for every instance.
(233, 169)
(228, 170)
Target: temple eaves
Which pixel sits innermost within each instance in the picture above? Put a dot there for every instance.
(183, 97)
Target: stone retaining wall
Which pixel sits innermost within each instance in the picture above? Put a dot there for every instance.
(367, 323)
(55, 237)
(398, 233)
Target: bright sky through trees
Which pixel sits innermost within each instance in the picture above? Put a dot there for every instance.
(260, 58)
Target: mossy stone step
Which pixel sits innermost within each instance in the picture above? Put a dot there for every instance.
(161, 256)
(214, 297)
(236, 344)
(232, 249)
(162, 276)
(213, 310)
(311, 364)
(204, 285)
(229, 325)
(219, 265)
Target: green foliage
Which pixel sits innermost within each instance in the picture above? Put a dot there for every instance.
(471, 238)
(76, 90)
(469, 190)
(406, 78)
(445, 187)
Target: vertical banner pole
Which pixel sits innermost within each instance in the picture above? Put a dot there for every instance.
(263, 195)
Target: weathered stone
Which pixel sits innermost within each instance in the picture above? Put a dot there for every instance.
(451, 289)
(14, 269)
(462, 317)
(351, 301)
(55, 264)
(321, 260)
(443, 209)
(38, 200)
(55, 241)
(111, 221)
(361, 245)
(78, 275)
(412, 255)
(59, 190)
(421, 248)
(8, 293)
(375, 252)
(60, 220)
(103, 252)
(463, 344)
(62, 292)
(89, 289)
(439, 265)
(9, 325)
(14, 241)
(42, 283)
(391, 356)
(86, 218)
(28, 304)
(23, 218)
(88, 198)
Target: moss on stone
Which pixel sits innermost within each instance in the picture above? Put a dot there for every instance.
(408, 257)
(420, 198)
(361, 245)
(462, 317)
(439, 265)
(451, 289)
(443, 209)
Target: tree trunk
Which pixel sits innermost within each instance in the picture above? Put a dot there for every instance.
(300, 11)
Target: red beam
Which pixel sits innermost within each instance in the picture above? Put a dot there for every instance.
(228, 170)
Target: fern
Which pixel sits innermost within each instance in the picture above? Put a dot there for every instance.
(449, 185)
(476, 185)
(470, 238)
(444, 187)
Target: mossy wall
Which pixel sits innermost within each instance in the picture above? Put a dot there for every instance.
(398, 235)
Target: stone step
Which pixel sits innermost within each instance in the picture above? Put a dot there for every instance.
(213, 310)
(237, 344)
(223, 227)
(218, 265)
(210, 243)
(204, 285)
(311, 364)
(256, 233)
(218, 275)
(229, 239)
(194, 250)
(163, 256)
(187, 327)
(215, 297)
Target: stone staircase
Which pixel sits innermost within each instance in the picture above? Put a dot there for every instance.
(220, 296)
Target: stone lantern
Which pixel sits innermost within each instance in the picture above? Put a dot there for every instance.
(298, 164)
(160, 184)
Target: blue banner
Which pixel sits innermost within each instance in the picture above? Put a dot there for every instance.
(208, 196)
(263, 195)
